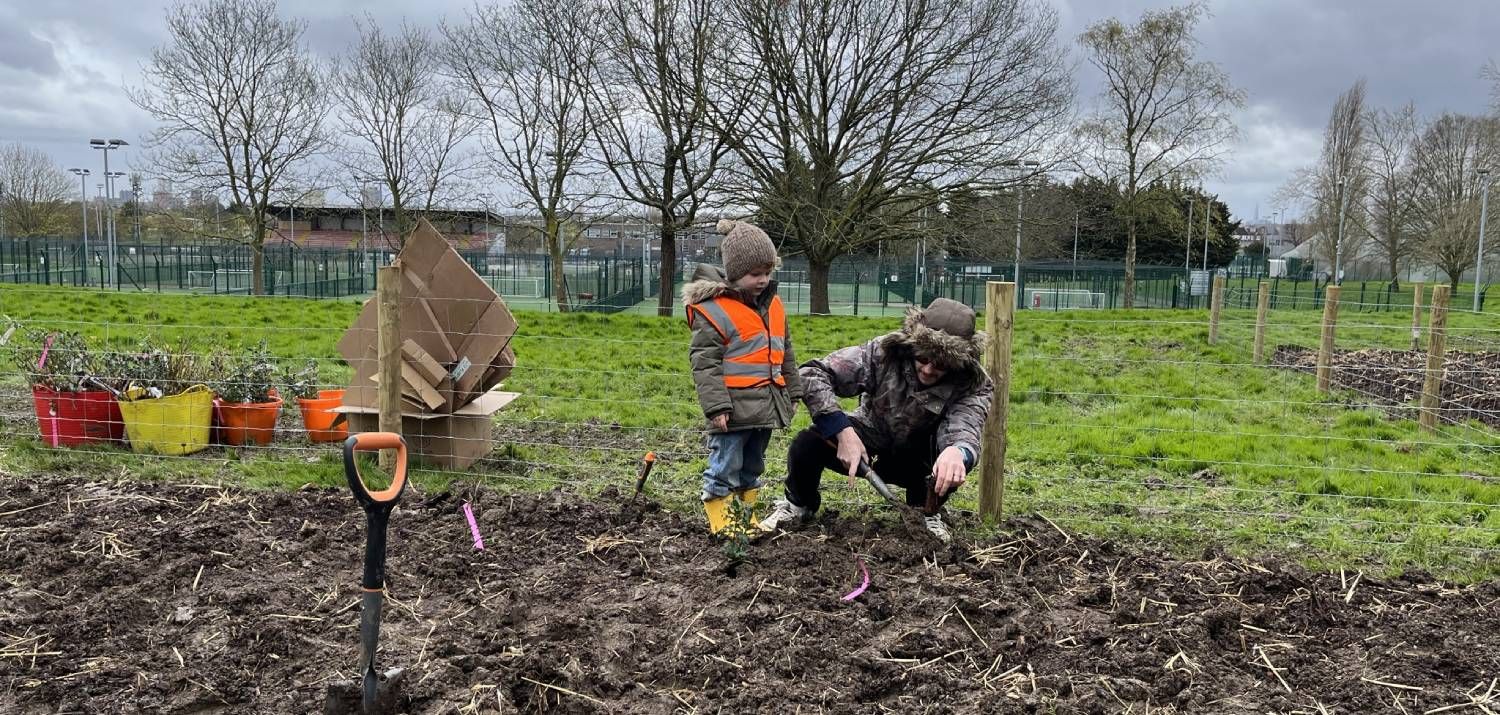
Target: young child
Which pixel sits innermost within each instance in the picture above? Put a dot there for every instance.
(743, 368)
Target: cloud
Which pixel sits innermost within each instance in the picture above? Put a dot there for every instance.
(1272, 146)
(23, 51)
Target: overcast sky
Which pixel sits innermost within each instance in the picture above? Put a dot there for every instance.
(63, 67)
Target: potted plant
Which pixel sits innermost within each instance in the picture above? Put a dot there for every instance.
(70, 408)
(317, 405)
(167, 408)
(248, 402)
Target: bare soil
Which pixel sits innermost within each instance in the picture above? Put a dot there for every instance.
(1394, 378)
(138, 597)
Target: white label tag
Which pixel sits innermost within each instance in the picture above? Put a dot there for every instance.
(458, 370)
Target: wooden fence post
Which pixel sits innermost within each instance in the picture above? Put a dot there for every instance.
(999, 318)
(1437, 338)
(1416, 317)
(1215, 306)
(1262, 304)
(388, 355)
(1325, 350)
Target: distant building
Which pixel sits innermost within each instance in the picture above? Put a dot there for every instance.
(165, 201)
(309, 225)
(1277, 238)
(199, 197)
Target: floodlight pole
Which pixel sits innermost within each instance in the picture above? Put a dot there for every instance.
(1484, 208)
(107, 145)
(83, 202)
(1338, 247)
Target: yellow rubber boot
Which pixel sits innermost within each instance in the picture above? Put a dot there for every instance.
(747, 498)
(717, 510)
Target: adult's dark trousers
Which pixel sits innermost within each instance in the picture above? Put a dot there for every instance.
(906, 465)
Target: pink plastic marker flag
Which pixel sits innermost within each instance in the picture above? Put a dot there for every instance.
(473, 526)
(46, 348)
(864, 572)
(52, 422)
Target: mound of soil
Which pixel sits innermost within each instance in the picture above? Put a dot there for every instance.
(1471, 380)
(132, 597)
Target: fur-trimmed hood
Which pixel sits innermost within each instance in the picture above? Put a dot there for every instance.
(943, 332)
(709, 282)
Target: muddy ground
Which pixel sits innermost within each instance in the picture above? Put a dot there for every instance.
(1393, 379)
(131, 597)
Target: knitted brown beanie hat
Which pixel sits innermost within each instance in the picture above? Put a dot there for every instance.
(745, 248)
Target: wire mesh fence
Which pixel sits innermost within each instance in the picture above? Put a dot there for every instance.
(854, 285)
(1125, 423)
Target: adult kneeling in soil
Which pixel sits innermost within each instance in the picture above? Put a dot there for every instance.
(923, 396)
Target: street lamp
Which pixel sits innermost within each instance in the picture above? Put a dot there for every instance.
(1484, 207)
(107, 145)
(1187, 252)
(1020, 187)
(646, 246)
(1338, 246)
(83, 201)
(363, 183)
(918, 260)
(114, 225)
(1280, 241)
(1207, 211)
(1074, 277)
(485, 198)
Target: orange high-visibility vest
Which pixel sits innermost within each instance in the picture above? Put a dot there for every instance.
(753, 350)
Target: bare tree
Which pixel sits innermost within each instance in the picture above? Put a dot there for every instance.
(240, 106)
(1342, 180)
(404, 117)
(1390, 136)
(34, 192)
(1333, 191)
(1446, 160)
(1161, 114)
(651, 89)
(852, 119)
(526, 66)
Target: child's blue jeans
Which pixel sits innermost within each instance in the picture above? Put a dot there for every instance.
(735, 461)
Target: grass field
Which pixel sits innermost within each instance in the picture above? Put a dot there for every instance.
(1121, 423)
(1364, 296)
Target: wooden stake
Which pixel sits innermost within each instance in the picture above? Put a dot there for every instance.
(1437, 339)
(999, 318)
(1262, 305)
(388, 292)
(1416, 317)
(1325, 350)
(1216, 306)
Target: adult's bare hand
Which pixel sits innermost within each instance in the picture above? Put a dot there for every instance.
(949, 470)
(851, 451)
(720, 421)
